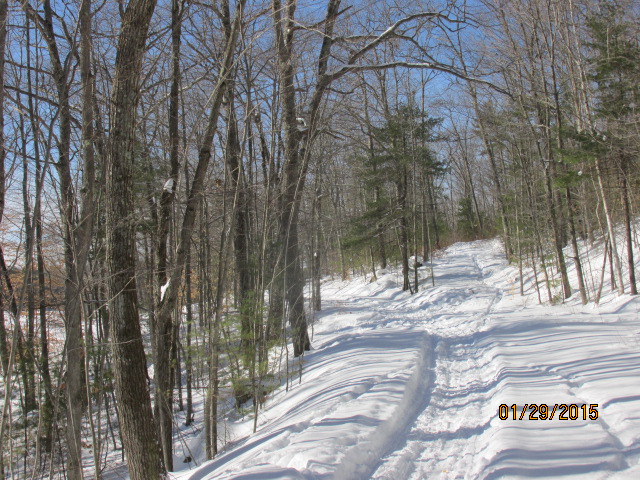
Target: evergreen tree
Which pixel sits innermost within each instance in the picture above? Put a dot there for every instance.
(401, 148)
(615, 70)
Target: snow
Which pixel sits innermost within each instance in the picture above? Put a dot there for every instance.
(403, 386)
(163, 289)
(415, 260)
(301, 124)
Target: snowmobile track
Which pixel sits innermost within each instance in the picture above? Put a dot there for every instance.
(361, 461)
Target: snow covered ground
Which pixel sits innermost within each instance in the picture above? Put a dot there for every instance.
(402, 386)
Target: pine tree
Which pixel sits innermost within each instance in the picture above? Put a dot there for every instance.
(400, 144)
(615, 68)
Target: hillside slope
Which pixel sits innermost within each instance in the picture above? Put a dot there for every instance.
(403, 386)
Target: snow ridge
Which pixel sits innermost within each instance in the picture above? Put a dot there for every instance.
(363, 459)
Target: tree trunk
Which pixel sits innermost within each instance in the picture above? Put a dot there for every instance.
(557, 237)
(288, 235)
(172, 287)
(188, 363)
(3, 152)
(401, 187)
(433, 211)
(211, 404)
(382, 255)
(47, 409)
(77, 233)
(508, 250)
(240, 227)
(298, 137)
(613, 251)
(633, 289)
(28, 365)
(164, 325)
(137, 426)
(316, 272)
(550, 42)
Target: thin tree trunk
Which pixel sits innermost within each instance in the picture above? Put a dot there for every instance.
(77, 234)
(28, 365)
(538, 236)
(315, 246)
(164, 326)
(633, 289)
(424, 223)
(240, 225)
(496, 176)
(4, 354)
(557, 242)
(174, 282)
(416, 263)
(16, 304)
(613, 250)
(188, 360)
(47, 409)
(432, 210)
(551, 44)
(574, 245)
(211, 407)
(173, 285)
(552, 207)
(376, 190)
(602, 271)
(401, 187)
(297, 143)
(189, 320)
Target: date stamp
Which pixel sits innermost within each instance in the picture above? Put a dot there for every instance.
(542, 411)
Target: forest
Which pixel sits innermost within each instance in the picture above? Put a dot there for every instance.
(177, 178)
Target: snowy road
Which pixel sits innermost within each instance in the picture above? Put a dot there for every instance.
(406, 386)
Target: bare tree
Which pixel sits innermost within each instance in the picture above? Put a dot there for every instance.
(173, 286)
(4, 355)
(137, 425)
(77, 231)
(164, 327)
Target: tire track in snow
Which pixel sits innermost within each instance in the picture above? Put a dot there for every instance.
(361, 461)
(426, 449)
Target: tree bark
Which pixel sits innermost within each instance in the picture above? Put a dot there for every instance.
(164, 325)
(173, 286)
(188, 355)
(288, 235)
(316, 274)
(297, 141)
(137, 425)
(28, 364)
(167, 302)
(77, 233)
(3, 152)
(47, 409)
(613, 251)
(401, 186)
(211, 402)
(633, 289)
(240, 225)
